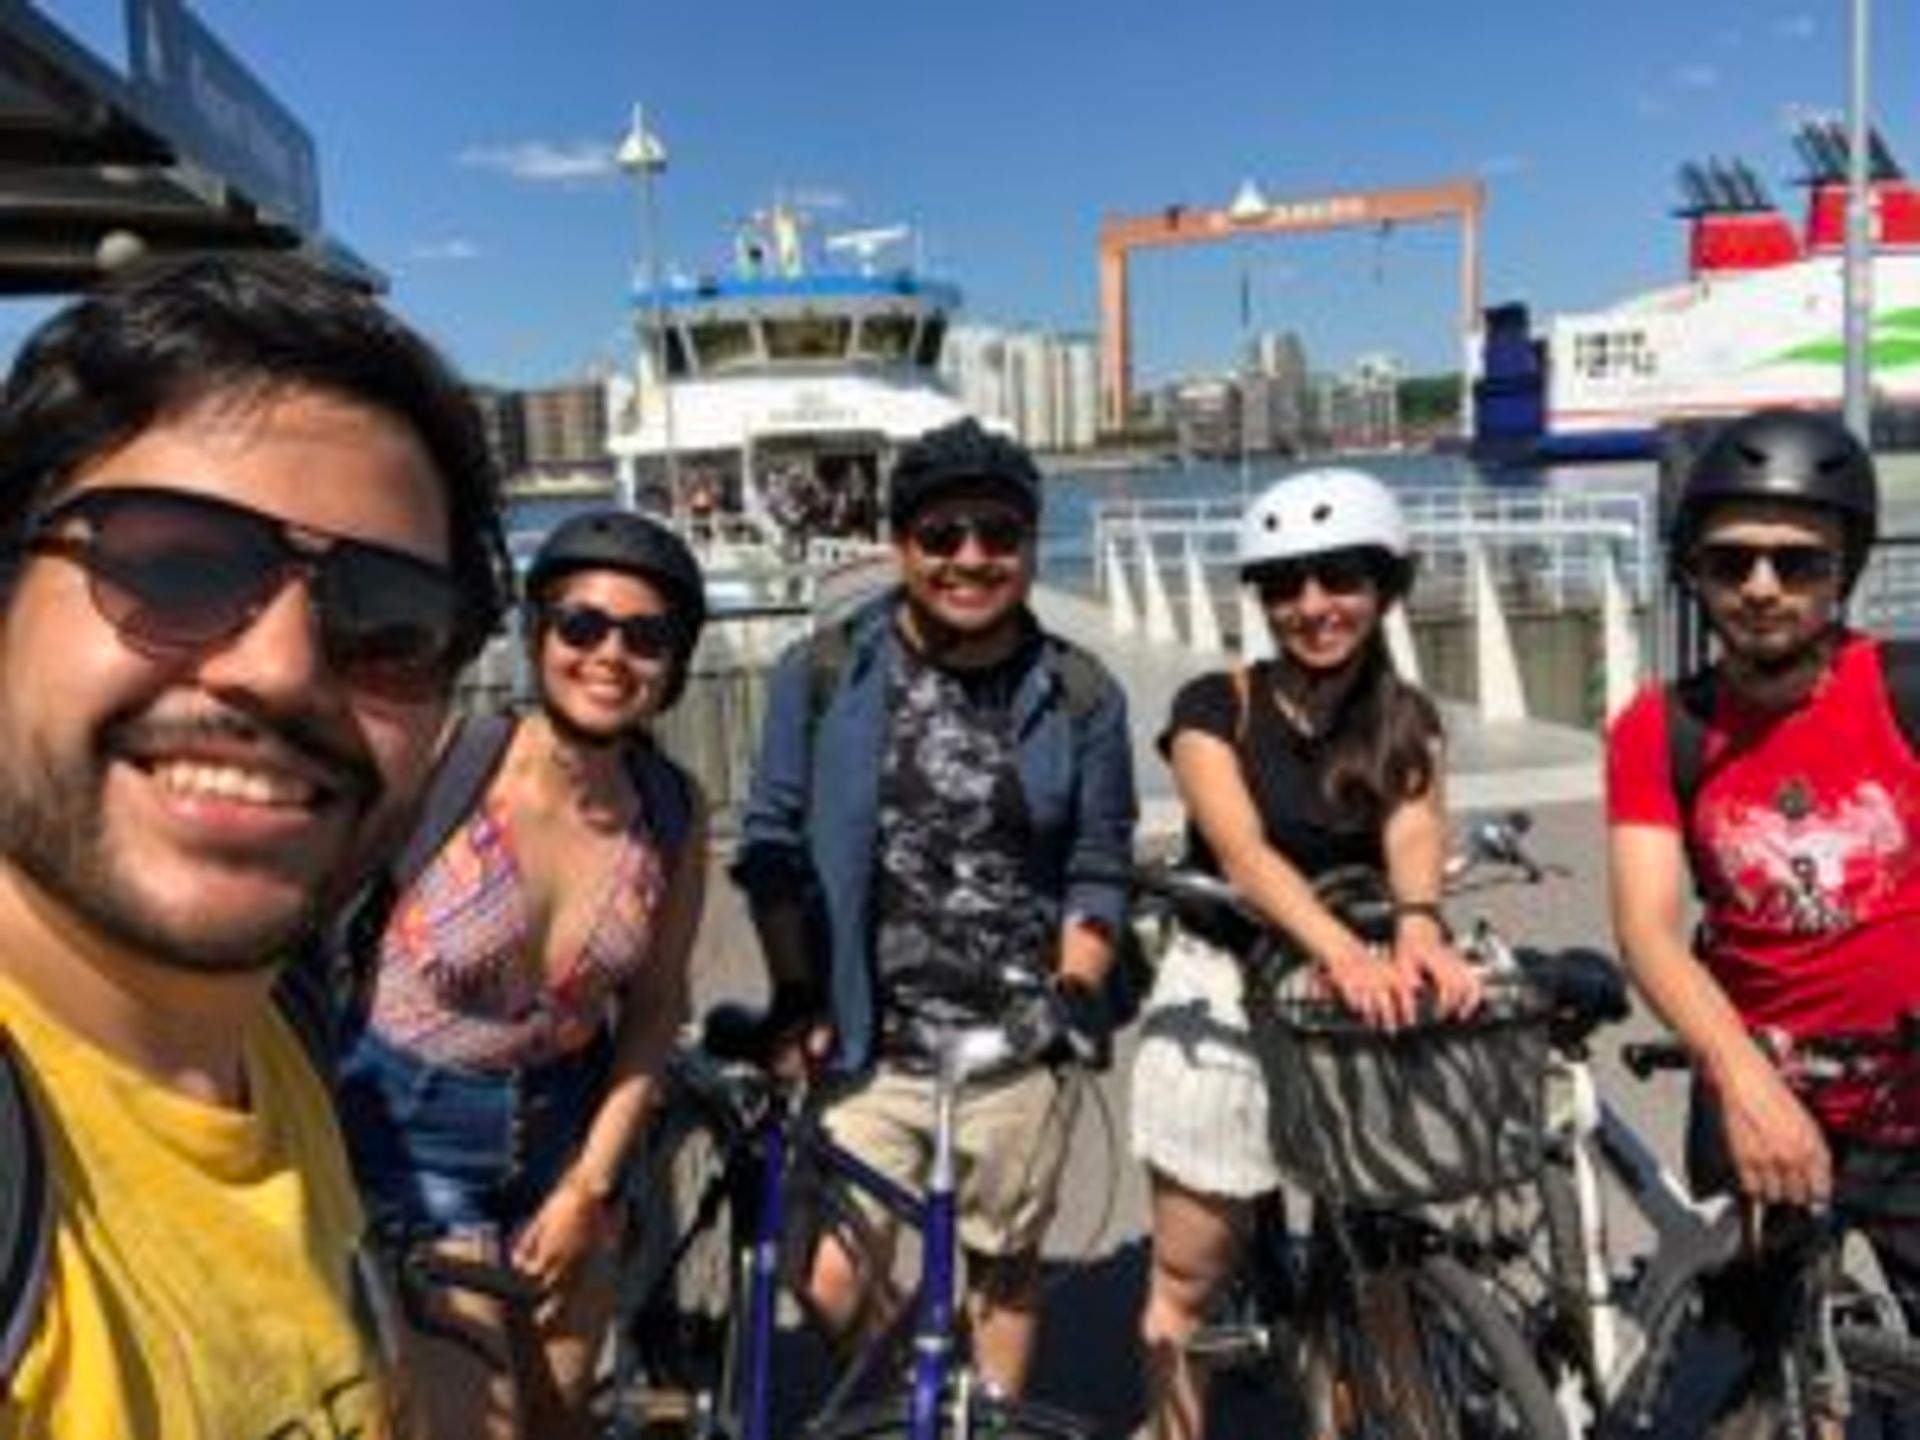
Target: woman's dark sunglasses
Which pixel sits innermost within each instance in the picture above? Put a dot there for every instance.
(1727, 563)
(998, 532)
(1337, 573)
(177, 573)
(583, 627)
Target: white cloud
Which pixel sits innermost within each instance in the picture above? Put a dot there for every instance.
(1795, 27)
(1697, 75)
(542, 162)
(444, 252)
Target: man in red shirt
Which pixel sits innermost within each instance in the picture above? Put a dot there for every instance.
(1800, 833)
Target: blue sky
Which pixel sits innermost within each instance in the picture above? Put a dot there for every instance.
(466, 147)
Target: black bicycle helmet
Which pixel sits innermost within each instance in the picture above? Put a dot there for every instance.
(962, 456)
(633, 544)
(1795, 456)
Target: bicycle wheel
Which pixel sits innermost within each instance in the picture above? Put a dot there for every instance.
(678, 1269)
(1428, 1354)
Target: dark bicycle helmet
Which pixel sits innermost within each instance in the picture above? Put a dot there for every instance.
(1795, 456)
(634, 545)
(962, 456)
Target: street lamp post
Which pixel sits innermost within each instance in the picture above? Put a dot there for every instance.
(1858, 268)
(1248, 205)
(643, 156)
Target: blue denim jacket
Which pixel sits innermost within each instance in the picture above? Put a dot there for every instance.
(811, 824)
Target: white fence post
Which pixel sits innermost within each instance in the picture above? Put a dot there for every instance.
(1153, 590)
(1256, 636)
(1496, 666)
(1203, 626)
(1122, 615)
(1399, 633)
(1619, 640)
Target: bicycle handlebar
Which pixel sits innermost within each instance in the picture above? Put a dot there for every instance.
(1815, 1059)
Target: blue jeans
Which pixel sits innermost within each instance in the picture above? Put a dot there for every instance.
(440, 1149)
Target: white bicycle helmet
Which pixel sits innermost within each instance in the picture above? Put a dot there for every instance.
(1318, 511)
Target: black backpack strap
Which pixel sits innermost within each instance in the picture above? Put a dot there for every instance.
(26, 1208)
(828, 650)
(1082, 679)
(1689, 712)
(666, 795)
(1900, 668)
(466, 767)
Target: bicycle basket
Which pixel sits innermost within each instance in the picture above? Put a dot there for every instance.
(1374, 1120)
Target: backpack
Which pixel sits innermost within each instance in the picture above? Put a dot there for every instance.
(1082, 682)
(321, 992)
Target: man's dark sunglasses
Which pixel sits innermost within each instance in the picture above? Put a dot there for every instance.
(1728, 563)
(998, 532)
(177, 574)
(1337, 573)
(583, 627)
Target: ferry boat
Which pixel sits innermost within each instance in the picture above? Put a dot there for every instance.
(791, 380)
(1758, 321)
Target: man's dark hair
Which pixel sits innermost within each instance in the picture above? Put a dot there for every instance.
(160, 338)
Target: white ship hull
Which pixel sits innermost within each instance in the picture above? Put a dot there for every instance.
(1725, 343)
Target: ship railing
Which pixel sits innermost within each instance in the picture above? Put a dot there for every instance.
(1484, 557)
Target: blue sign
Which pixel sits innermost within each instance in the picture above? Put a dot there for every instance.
(215, 112)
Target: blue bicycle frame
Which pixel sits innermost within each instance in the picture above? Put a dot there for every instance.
(933, 1215)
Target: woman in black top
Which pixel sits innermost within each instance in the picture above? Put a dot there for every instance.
(1318, 758)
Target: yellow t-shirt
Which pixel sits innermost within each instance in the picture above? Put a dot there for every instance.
(201, 1283)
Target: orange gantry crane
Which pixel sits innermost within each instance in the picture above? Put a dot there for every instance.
(1121, 235)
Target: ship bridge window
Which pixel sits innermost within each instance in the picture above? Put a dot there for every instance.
(886, 337)
(932, 334)
(809, 337)
(676, 353)
(724, 344)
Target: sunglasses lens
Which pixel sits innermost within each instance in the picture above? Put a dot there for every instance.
(648, 637)
(1729, 564)
(997, 534)
(175, 573)
(581, 627)
(1335, 574)
(584, 627)
(940, 538)
(389, 622)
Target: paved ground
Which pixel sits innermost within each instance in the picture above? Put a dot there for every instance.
(1097, 1252)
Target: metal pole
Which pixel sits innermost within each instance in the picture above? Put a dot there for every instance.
(1858, 268)
(650, 219)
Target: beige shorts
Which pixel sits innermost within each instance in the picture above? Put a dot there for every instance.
(1010, 1148)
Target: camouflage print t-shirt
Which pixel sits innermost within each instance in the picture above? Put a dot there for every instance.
(953, 900)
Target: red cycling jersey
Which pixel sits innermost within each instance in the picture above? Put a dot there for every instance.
(1805, 838)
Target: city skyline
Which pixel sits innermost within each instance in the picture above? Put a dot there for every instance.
(468, 151)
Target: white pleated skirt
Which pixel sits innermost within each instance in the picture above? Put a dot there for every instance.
(1199, 1105)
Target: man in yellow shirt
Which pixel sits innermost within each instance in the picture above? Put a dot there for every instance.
(249, 534)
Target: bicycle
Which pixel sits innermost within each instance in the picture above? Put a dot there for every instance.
(1820, 1350)
(712, 1194)
(1612, 1342)
(1375, 1316)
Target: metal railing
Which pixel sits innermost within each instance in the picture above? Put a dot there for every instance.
(1545, 547)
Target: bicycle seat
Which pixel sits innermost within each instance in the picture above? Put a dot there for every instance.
(1583, 990)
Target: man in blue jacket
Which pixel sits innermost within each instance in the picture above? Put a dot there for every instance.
(944, 792)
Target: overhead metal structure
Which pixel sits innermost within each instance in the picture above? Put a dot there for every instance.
(1251, 214)
(188, 154)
